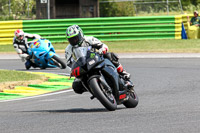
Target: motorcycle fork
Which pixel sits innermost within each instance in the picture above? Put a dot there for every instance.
(92, 97)
(104, 84)
(85, 85)
(100, 79)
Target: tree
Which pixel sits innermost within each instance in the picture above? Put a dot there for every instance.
(18, 9)
(3, 6)
(111, 9)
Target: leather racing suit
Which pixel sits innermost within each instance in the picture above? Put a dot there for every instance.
(21, 46)
(103, 48)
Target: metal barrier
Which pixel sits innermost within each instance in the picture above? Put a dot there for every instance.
(7, 29)
(109, 28)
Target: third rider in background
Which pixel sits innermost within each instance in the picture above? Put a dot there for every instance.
(20, 43)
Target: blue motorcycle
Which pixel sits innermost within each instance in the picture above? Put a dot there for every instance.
(42, 55)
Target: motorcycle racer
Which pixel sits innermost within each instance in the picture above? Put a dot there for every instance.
(76, 38)
(20, 43)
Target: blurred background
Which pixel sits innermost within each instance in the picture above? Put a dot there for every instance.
(55, 9)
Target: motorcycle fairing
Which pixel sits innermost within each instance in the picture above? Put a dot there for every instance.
(78, 68)
(93, 60)
(42, 51)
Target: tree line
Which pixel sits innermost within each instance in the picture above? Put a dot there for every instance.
(17, 9)
(26, 9)
(132, 8)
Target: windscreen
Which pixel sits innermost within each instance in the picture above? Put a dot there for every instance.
(79, 52)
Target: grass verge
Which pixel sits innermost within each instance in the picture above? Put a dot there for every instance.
(134, 46)
(10, 78)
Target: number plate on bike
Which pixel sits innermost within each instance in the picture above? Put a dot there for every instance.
(91, 62)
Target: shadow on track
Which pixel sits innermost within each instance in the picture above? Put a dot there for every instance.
(75, 110)
(37, 69)
(48, 70)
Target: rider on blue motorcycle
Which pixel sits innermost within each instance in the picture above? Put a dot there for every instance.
(76, 37)
(20, 43)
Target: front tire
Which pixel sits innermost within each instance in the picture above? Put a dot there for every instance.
(107, 99)
(58, 62)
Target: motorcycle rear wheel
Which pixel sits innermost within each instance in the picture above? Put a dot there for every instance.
(58, 62)
(132, 101)
(107, 99)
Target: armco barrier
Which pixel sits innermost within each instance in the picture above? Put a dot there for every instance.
(7, 29)
(109, 28)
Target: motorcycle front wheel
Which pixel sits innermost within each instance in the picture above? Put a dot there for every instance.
(106, 98)
(58, 62)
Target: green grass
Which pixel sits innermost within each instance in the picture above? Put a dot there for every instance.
(7, 48)
(165, 46)
(11, 75)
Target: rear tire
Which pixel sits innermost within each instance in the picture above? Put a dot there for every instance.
(106, 99)
(132, 101)
(58, 62)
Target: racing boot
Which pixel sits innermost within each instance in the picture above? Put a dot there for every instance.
(28, 64)
(78, 87)
(129, 85)
(122, 72)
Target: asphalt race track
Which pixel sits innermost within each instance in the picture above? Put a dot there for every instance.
(168, 90)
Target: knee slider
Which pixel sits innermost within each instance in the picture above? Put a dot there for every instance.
(114, 57)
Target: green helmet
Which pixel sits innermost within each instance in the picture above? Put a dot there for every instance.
(75, 35)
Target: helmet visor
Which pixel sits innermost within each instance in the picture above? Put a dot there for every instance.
(20, 37)
(74, 40)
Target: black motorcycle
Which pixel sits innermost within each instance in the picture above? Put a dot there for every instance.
(100, 77)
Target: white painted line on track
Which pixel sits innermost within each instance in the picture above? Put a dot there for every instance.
(160, 55)
(43, 95)
(64, 74)
(128, 55)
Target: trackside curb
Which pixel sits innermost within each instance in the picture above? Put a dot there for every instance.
(55, 82)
